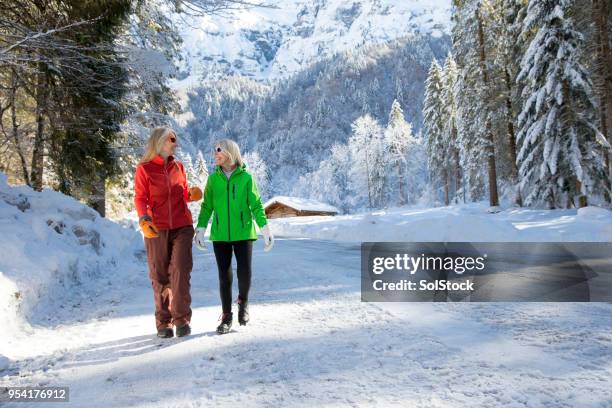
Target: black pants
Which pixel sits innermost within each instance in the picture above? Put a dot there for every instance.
(223, 253)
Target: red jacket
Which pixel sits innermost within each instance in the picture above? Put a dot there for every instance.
(162, 193)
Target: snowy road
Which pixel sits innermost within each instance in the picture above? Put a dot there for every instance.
(312, 342)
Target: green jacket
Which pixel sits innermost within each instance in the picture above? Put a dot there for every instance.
(234, 203)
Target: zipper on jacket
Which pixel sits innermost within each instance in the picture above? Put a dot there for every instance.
(169, 197)
(229, 236)
(234, 191)
(247, 196)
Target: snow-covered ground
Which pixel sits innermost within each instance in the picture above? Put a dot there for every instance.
(311, 341)
(456, 223)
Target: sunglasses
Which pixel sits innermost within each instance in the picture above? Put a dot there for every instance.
(218, 150)
(173, 139)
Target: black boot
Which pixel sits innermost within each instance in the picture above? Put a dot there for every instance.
(243, 311)
(183, 330)
(226, 323)
(165, 333)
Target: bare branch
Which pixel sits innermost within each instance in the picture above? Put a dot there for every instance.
(32, 36)
(199, 8)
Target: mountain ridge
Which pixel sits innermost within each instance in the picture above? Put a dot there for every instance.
(271, 44)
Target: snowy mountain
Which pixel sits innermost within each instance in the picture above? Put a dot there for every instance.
(272, 43)
(293, 78)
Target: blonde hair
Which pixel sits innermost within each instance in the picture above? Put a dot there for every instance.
(232, 150)
(156, 142)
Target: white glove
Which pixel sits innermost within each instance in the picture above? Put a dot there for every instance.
(200, 239)
(268, 238)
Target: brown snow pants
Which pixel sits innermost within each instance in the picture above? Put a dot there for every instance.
(170, 263)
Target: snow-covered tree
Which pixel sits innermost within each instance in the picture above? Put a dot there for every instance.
(472, 49)
(187, 161)
(434, 123)
(258, 168)
(506, 26)
(399, 138)
(201, 169)
(368, 152)
(340, 164)
(330, 183)
(601, 14)
(449, 83)
(557, 130)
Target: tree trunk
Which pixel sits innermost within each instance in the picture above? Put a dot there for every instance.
(510, 124)
(489, 148)
(457, 176)
(603, 77)
(368, 175)
(456, 163)
(582, 199)
(98, 199)
(569, 117)
(15, 130)
(39, 140)
(446, 199)
(552, 201)
(512, 138)
(400, 175)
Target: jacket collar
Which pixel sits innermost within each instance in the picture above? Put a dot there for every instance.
(160, 160)
(239, 169)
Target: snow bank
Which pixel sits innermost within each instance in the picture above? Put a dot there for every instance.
(455, 223)
(593, 212)
(53, 248)
(302, 204)
(4, 363)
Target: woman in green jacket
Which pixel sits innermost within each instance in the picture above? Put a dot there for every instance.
(232, 199)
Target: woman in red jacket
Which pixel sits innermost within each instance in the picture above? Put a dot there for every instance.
(161, 197)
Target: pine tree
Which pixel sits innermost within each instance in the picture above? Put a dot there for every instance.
(398, 135)
(475, 96)
(488, 138)
(449, 84)
(189, 169)
(557, 132)
(505, 27)
(468, 101)
(87, 104)
(434, 123)
(602, 15)
(201, 169)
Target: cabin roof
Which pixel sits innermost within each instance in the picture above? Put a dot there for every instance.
(301, 204)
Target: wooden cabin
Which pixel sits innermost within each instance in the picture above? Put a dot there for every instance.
(284, 206)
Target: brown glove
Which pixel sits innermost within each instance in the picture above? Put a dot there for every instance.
(148, 228)
(195, 194)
